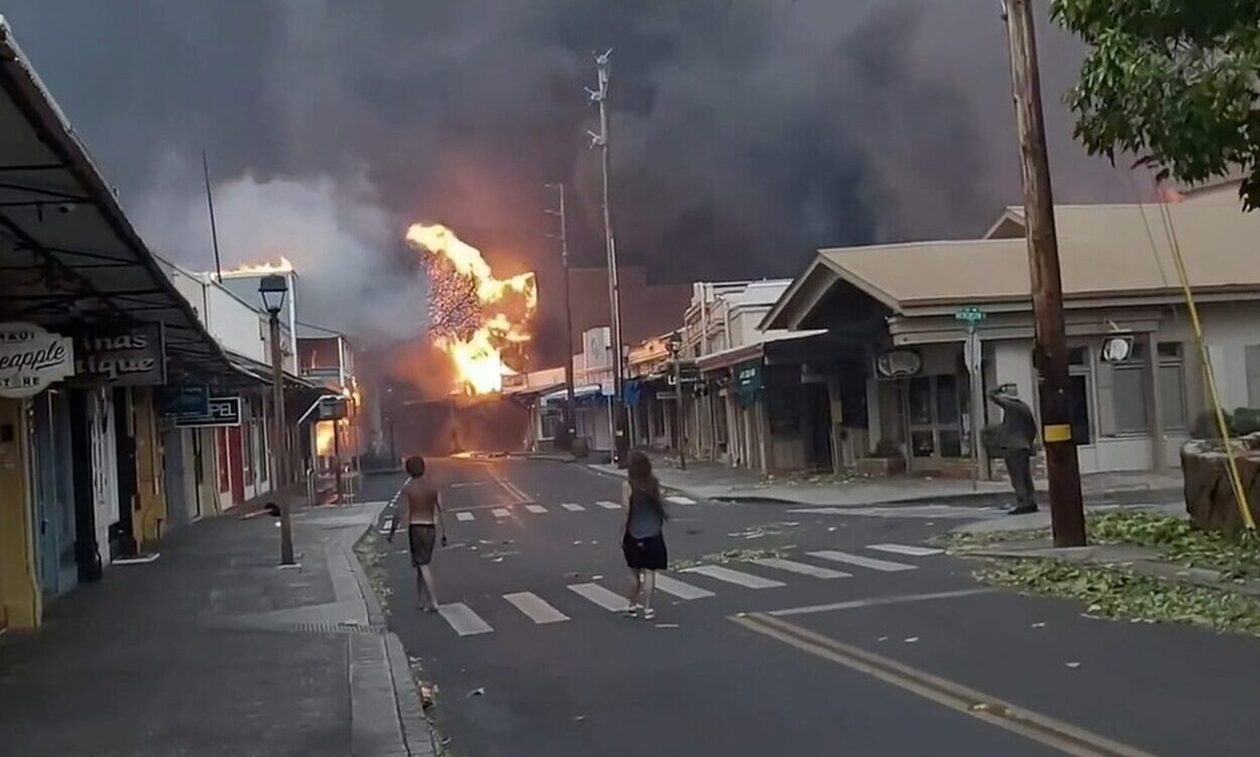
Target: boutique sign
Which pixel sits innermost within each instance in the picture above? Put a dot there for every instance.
(134, 356)
(31, 359)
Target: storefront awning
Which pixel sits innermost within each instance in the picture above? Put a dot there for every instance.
(70, 257)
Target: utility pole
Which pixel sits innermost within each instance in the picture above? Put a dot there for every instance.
(569, 425)
(214, 231)
(600, 97)
(1050, 353)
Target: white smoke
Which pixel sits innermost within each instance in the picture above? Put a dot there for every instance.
(353, 273)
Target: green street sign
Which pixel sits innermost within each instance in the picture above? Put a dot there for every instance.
(969, 314)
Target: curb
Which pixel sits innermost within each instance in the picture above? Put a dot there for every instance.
(413, 729)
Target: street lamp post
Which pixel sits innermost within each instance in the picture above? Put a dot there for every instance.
(674, 345)
(569, 418)
(273, 289)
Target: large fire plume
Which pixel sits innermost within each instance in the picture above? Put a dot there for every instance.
(473, 316)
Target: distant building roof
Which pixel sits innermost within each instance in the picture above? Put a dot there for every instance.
(1105, 251)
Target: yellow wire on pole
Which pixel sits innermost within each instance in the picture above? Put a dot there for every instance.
(1240, 494)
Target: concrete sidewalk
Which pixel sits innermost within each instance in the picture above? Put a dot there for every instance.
(721, 482)
(214, 650)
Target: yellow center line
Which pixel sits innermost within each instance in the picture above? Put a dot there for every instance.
(520, 497)
(1031, 725)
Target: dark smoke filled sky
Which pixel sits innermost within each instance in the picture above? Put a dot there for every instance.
(746, 133)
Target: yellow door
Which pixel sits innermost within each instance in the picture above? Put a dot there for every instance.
(152, 497)
(19, 592)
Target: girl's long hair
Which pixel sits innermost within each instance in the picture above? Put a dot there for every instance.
(643, 481)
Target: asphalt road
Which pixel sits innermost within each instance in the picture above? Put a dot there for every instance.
(866, 641)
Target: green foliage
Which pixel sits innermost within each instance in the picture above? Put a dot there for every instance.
(1171, 81)
(1180, 541)
(1119, 594)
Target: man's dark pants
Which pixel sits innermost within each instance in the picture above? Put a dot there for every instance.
(1019, 467)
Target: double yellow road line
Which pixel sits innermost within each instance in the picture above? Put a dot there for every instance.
(1044, 730)
(512, 489)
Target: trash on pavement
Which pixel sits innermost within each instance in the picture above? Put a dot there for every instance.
(480, 691)
(1038, 625)
(1072, 665)
(666, 625)
(911, 639)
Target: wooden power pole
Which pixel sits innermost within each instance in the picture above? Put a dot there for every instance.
(1050, 353)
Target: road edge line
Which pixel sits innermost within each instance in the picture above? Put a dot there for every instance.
(1031, 725)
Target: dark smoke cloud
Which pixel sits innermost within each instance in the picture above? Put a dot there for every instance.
(745, 132)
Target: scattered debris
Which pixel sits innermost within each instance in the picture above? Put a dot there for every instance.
(1038, 625)
(594, 578)
(428, 695)
(831, 528)
(882, 638)
(498, 559)
(480, 691)
(666, 625)
(911, 639)
(579, 718)
(1072, 665)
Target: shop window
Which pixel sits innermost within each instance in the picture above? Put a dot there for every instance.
(552, 420)
(1129, 398)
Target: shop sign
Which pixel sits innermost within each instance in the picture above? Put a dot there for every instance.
(221, 411)
(1117, 349)
(898, 364)
(31, 359)
(748, 380)
(134, 356)
(332, 409)
(185, 401)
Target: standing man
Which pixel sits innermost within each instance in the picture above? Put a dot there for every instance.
(420, 504)
(1015, 441)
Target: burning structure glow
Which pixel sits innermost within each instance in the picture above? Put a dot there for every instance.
(284, 266)
(473, 315)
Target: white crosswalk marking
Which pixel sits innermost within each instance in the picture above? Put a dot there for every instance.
(680, 500)
(572, 507)
(862, 562)
(535, 607)
(805, 569)
(464, 516)
(461, 618)
(679, 589)
(605, 598)
(905, 549)
(501, 512)
(608, 505)
(538, 509)
(746, 580)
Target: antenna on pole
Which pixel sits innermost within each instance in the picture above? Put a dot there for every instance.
(214, 231)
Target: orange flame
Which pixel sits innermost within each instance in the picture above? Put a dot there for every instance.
(324, 431)
(478, 358)
(252, 269)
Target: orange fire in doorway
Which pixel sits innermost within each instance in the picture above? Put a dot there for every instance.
(473, 315)
(324, 431)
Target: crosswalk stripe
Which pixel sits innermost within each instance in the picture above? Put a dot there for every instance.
(804, 569)
(536, 508)
(501, 512)
(572, 507)
(464, 516)
(605, 598)
(679, 589)
(461, 618)
(862, 562)
(608, 505)
(746, 580)
(680, 500)
(535, 607)
(905, 549)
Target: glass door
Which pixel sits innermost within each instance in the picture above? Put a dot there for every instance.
(934, 413)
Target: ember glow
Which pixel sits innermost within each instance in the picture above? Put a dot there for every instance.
(324, 431)
(284, 266)
(473, 315)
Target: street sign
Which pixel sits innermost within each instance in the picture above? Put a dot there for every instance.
(223, 411)
(971, 315)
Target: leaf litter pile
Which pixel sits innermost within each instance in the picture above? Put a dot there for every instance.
(1119, 594)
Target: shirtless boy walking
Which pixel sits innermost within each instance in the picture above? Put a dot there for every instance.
(421, 506)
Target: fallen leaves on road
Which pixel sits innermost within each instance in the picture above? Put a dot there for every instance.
(1116, 593)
